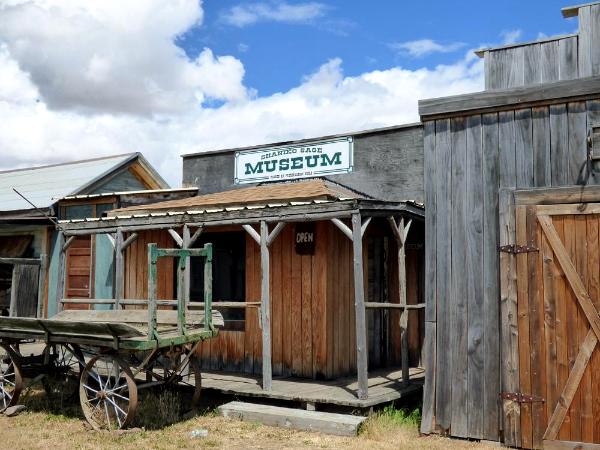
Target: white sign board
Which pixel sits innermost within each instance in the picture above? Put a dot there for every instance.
(312, 159)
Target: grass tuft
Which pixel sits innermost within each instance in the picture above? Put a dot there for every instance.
(390, 419)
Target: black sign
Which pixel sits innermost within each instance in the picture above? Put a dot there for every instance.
(304, 237)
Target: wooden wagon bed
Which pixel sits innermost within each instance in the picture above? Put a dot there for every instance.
(126, 329)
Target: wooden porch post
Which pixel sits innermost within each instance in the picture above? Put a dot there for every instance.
(119, 269)
(359, 307)
(265, 307)
(401, 233)
(41, 285)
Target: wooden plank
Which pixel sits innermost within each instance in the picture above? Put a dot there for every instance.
(567, 58)
(523, 322)
(458, 298)
(541, 146)
(585, 42)
(475, 291)
(251, 323)
(297, 341)
(319, 299)
(359, 308)
(491, 310)
(41, 294)
(559, 144)
(551, 278)
(593, 287)
(569, 445)
(276, 305)
(595, 38)
(562, 354)
(514, 66)
(323, 422)
(429, 358)
(265, 307)
(524, 148)
(577, 142)
(549, 62)
(443, 398)
(287, 247)
(532, 56)
(305, 341)
(587, 432)
(430, 186)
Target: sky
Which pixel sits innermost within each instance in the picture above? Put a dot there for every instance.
(88, 78)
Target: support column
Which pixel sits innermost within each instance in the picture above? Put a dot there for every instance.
(41, 285)
(60, 288)
(265, 307)
(119, 269)
(359, 308)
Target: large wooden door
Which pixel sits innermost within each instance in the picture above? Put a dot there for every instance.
(558, 297)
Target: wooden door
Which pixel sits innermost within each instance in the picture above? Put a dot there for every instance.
(79, 271)
(558, 297)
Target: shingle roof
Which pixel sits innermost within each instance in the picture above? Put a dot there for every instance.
(310, 190)
(45, 185)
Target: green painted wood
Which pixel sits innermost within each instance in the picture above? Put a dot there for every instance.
(125, 181)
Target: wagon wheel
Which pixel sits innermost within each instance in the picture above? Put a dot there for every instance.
(108, 393)
(65, 365)
(11, 380)
(192, 377)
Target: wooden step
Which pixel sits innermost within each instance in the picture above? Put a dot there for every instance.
(298, 419)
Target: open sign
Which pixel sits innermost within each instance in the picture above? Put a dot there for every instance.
(305, 238)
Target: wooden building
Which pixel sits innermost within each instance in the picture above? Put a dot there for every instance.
(512, 256)
(89, 188)
(320, 282)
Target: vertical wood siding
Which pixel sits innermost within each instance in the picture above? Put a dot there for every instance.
(312, 304)
(467, 161)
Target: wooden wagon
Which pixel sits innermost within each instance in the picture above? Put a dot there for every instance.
(113, 352)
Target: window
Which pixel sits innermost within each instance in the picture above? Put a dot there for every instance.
(229, 274)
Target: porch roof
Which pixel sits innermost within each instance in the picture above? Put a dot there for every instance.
(282, 202)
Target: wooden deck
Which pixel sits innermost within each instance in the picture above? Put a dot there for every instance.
(384, 386)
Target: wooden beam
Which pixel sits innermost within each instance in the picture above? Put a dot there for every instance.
(12, 309)
(119, 269)
(68, 243)
(273, 235)
(343, 227)
(24, 261)
(377, 305)
(365, 225)
(178, 240)
(558, 195)
(195, 236)
(130, 240)
(252, 232)
(359, 307)
(60, 287)
(265, 308)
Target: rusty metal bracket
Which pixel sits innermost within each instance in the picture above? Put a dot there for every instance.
(521, 398)
(516, 249)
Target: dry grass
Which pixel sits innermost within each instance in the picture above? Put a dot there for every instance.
(41, 428)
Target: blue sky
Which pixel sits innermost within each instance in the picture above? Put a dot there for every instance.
(81, 79)
(277, 54)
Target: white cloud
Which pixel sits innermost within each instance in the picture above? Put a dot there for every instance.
(424, 47)
(277, 11)
(511, 36)
(114, 56)
(34, 130)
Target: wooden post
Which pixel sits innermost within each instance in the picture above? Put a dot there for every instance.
(119, 269)
(152, 260)
(359, 308)
(12, 309)
(401, 233)
(41, 285)
(186, 270)
(265, 306)
(60, 288)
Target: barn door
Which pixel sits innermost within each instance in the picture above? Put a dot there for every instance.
(79, 281)
(558, 296)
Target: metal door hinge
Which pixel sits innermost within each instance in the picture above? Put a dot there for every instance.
(521, 398)
(516, 249)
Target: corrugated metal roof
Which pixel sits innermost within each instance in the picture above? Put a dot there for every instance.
(47, 184)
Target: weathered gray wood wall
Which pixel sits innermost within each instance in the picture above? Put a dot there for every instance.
(468, 159)
(561, 58)
(388, 165)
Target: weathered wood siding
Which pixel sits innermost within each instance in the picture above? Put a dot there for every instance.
(468, 160)
(563, 58)
(388, 165)
(312, 303)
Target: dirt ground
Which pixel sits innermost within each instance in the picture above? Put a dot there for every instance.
(64, 429)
